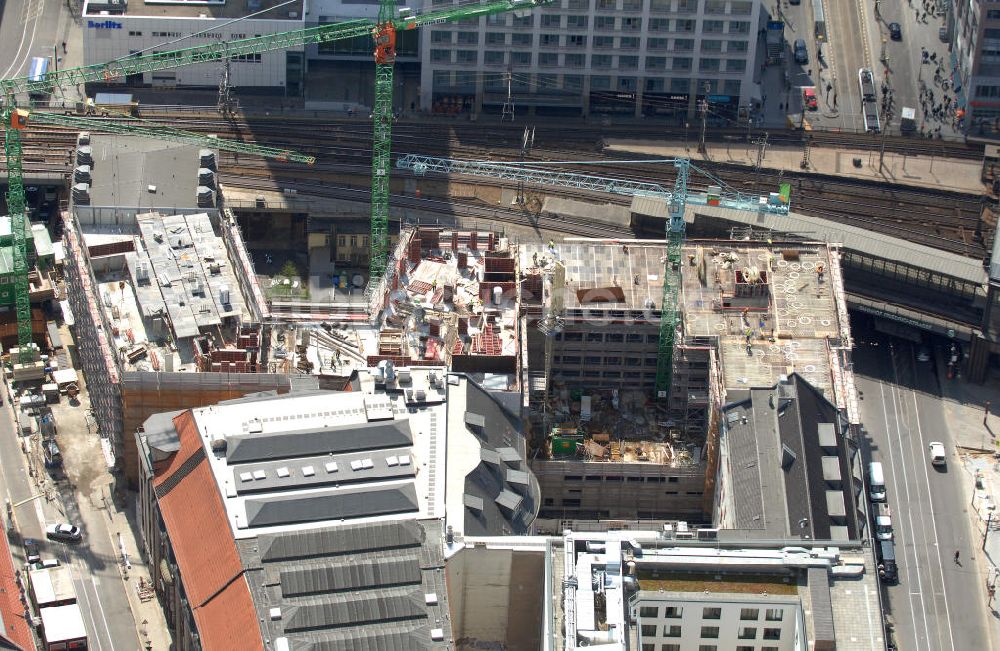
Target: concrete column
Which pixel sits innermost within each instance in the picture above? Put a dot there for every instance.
(640, 85)
(692, 100)
(585, 97)
(978, 361)
(477, 104)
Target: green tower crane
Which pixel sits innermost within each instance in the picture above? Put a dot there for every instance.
(383, 33)
(676, 198)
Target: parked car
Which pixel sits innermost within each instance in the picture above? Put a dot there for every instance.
(32, 551)
(895, 32)
(809, 99)
(937, 453)
(887, 569)
(882, 521)
(63, 532)
(943, 34)
(44, 564)
(799, 51)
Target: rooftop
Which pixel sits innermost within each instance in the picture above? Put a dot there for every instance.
(174, 283)
(195, 9)
(336, 502)
(787, 465)
(132, 172)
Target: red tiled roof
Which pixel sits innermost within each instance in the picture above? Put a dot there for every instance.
(15, 629)
(204, 547)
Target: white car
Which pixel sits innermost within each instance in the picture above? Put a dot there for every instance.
(63, 532)
(937, 453)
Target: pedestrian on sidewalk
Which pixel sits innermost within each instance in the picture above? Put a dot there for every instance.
(956, 558)
(986, 411)
(64, 47)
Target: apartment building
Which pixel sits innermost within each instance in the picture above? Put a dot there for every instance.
(573, 57)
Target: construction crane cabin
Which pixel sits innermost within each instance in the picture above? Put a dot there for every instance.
(383, 32)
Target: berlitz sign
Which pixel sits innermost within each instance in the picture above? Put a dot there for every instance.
(103, 24)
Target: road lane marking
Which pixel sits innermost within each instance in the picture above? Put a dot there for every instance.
(906, 488)
(937, 544)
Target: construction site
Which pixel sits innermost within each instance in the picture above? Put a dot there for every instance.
(749, 314)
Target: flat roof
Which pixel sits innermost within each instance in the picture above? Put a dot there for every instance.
(198, 8)
(63, 623)
(126, 166)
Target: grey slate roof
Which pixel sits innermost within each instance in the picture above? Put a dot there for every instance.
(321, 441)
(365, 587)
(339, 505)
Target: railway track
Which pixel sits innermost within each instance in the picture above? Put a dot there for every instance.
(944, 220)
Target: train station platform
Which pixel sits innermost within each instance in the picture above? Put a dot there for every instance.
(957, 175)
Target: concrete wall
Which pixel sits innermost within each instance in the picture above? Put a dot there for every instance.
(631, 491)
(496, 597)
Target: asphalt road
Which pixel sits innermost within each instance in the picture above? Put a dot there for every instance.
(27, 29)
(937, 604)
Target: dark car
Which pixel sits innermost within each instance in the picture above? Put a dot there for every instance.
(895, 32)
(887, 570)
(799, 52)
(32, 551)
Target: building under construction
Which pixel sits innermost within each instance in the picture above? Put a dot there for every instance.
(750, 314)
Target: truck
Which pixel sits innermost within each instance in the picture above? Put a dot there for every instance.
(775, 42)
(908, 120)
(59, 617)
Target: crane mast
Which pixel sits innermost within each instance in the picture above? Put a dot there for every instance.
(384, 35)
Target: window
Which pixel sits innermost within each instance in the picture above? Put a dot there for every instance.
(439, 37)
(673, 630)
(731, 87)
(682, 63)
(628, 43)
(683, 44)
(649, 611)
(490, 58)
(552, 21)
(576, 22)
(611, 375)
(649, 647)
(578, 5)
(711, 45)
(687, 6)
(709, 632)
(659, 6)
(744, 647)
(711, 613)
(600, 61)
(747, 633)
(573, 82)
(549, 501)
(659, 24)
(670, 647)
(736, 47)
(612, 361)
(574, 60)
(772, 633)
(631, 5)
(354, 241)
(468, 38)
(615, 337)
(521, 40)
(606, 42)
(573, 478)
(524, 21)
(591, 374)
(993, 14)
(631, 24)
(442, 56)
(715, 6)
(572, 336)
(549, 40)
(687, 25)
(736, 65)
(628, 63)
(571, 359)
(739, 27)
(774, 614)
(571, 501)
(495, 38)
(712, 26)
(520, 59)
(649, 630)
(246, 58)
(709, 65)
(656, 43)
(606, 23)
(749, 614)
(673, 612)
(708, 647)
(605, 5)
(633, 361)
(600, 82)
(576, 40)
(341, 241)
(467, 57)
(551, 60)
(597, 337)
(135, 33)
(674, 480)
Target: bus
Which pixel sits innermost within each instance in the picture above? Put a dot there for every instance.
(37, 72)
(819, 21)
(869, 100)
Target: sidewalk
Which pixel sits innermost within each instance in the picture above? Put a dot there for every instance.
(917, 171)
(976, 443)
